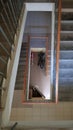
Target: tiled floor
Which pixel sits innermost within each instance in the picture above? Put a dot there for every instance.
(43, 112)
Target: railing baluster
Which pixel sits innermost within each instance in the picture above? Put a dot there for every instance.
(11, 17)
(3, 60)
(3, 26)
(1, 73)
(13, 11)
(5, 36)
(5, 12)
(4, 49)
(7, 26)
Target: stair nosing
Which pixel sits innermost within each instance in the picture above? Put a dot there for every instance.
(67, 10)
(67, 21)
(66, 32)
(66, 60)
(66, 41)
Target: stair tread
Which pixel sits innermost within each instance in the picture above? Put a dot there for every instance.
(66, 41)
(69, 51)
(67, 10)
(63, 31)
(67, 21)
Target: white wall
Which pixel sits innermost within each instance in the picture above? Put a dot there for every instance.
(38, 24)
(39, 6)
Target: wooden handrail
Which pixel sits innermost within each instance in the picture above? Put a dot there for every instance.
(58, 48)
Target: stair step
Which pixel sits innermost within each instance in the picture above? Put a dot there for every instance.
(66, 64)
(22, 58)
(66, 73)
(67, 10)
(67, 37)
(62, 88)
(66, 93)
(21, 65)
(21, 71)
(66, 42)
(67, 48)
(66, 45)
(67, 16)
(22, 55)
(66, 54)
(66, 82)
(19, 86)
(20, 81)
(22, 62)
(67, 22)
(65, 98)
(66, 32)
(20, 75)
(66, 28)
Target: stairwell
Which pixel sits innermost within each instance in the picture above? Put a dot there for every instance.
(66, 53)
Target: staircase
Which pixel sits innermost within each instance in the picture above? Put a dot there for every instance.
(9, 17)
(66, 53)
(22, 73)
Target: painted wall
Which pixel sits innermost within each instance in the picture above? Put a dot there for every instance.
(37, 43)
(38, 24)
